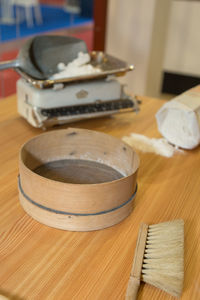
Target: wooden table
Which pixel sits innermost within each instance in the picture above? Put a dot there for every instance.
(38, 262)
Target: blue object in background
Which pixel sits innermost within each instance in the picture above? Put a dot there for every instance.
(53, 18)
(87, 7)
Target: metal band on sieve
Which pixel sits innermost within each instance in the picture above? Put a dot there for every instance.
(69, 213)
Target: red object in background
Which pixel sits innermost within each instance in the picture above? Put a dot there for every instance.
(8, 78)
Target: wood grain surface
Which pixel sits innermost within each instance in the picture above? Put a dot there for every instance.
(38, 262)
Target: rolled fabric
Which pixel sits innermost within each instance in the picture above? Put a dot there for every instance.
(179, 119)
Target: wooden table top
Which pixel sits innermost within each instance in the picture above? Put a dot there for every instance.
(38, 262)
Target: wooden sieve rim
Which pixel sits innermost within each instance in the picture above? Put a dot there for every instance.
(78, 197)
(72, 213)
(32, 173)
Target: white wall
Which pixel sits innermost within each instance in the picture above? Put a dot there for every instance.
(154, 35)
(182, 53)
(129, 31)
(136, 32)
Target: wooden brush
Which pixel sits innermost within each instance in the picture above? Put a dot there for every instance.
(159, 258)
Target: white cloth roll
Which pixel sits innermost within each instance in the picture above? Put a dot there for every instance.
(179, 119)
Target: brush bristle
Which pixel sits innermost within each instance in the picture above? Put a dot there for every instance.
(163, 263)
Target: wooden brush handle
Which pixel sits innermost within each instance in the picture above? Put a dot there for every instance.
(132, 289)
(134, 280)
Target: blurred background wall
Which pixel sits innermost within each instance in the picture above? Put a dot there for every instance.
(161, 38)
(181, 64)
(129, 31)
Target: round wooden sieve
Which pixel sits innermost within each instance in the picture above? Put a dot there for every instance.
(77, 179)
